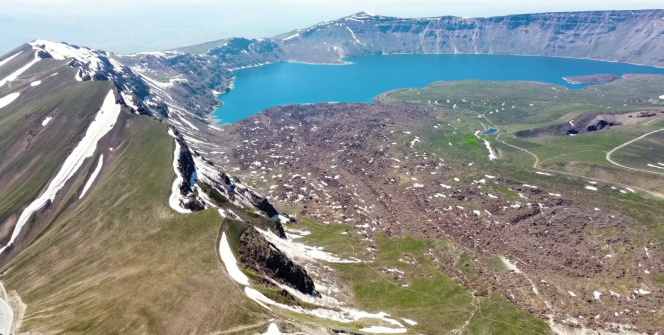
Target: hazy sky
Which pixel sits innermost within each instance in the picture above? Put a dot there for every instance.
(127, 26)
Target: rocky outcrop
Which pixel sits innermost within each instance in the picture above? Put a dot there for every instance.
(263, 257)
(241, 52)
(184, 163)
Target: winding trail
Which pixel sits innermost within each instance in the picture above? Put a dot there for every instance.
(608, 158)
(608, 155)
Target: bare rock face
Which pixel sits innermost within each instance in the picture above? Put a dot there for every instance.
(265, 258)
(625, 36)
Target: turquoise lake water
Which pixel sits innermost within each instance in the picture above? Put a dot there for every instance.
(285, 83)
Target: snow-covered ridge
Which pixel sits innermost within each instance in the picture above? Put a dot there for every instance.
(155, 54)
(91, 63)
(102, 124)
(364, 15)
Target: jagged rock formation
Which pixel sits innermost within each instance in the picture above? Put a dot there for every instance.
(263, 257)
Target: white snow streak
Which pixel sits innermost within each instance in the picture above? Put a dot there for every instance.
(383, 330)
(20, 71)
(291, 37)
(354, 37)
(273, 329)
(9, 58)
(296, 250)
(410, 322)
(229, 261)
(35, 83)
(93, 176)
(9, 98)
(344, 315)
(103, 123)
(46, 121)
(153, 81)
(492, 154)
(174, 199)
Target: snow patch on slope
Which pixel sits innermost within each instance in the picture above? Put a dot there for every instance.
(354, 37)
(129, 101)
(383, 330)
(344, 315)
(492, 154)
(229, 261)
(6, 60)
(272, 329)
(102, 124)
(20, 71)
(154, 82)
(93, 176)
(6, 317)
(9, 98)
(295, 250)
(175, 200)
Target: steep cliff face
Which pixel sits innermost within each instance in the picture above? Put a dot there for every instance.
(263, 257)
(625, 36)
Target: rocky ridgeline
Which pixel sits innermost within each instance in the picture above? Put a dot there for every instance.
(625, 36)
(216, 188)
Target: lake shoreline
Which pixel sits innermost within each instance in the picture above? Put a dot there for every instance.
(370, 77)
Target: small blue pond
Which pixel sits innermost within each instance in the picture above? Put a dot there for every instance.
(490, 131)
(194, 178)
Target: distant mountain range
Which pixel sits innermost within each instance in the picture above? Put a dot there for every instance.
(623, 36)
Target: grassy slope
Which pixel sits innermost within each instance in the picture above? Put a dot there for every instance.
(125, 262)
(583, 155)
(435, 301)
(538, 104)
(35, 153)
